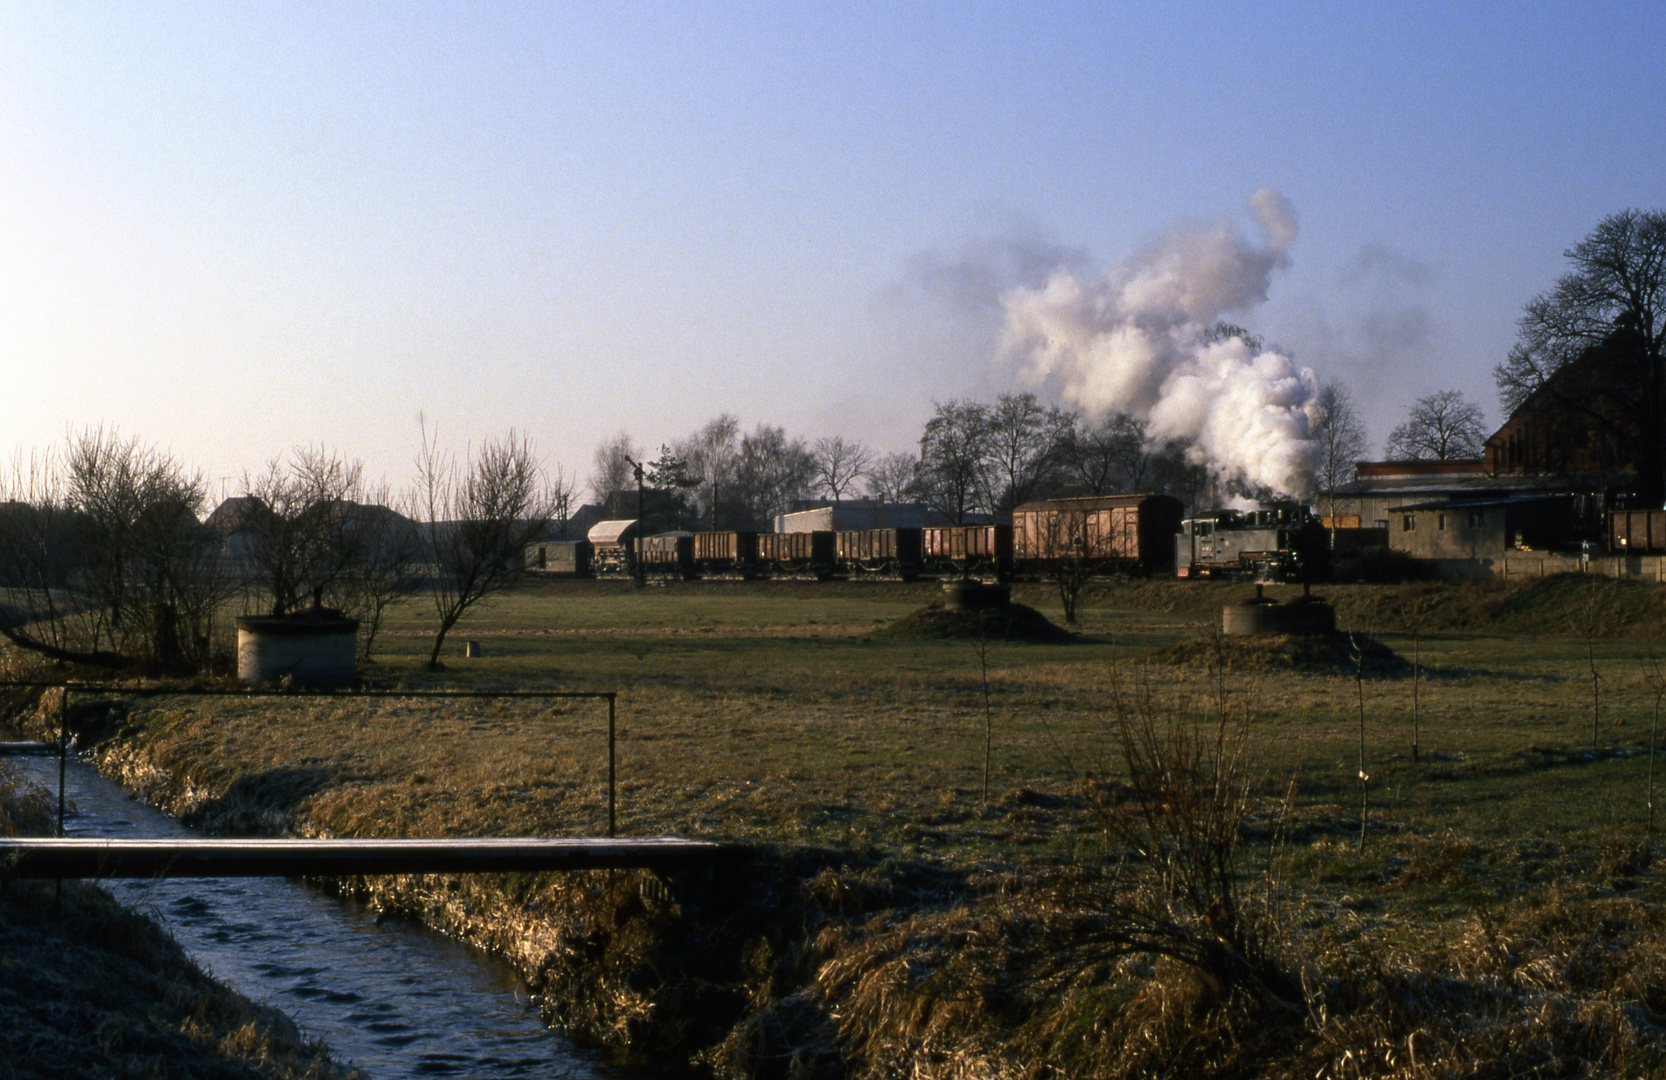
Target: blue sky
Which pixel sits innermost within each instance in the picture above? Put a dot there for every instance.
(232, 229)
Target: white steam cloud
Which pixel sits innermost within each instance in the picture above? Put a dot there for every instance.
(1137, 340)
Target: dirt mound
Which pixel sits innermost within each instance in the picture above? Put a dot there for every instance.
(1332, 653)
(1013, 622)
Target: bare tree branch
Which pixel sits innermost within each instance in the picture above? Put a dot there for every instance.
(1441, 427)
(838, 463)
(479, 518)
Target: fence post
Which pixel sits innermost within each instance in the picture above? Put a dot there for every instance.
(611, 762)
(63, 753)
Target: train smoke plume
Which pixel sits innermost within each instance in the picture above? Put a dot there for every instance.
(1137, 340)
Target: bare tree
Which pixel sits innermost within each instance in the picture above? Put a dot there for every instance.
(613, 481)
(838, 464)
(1441, 427)
(297, 528)
(387, 568)
(479, 518)
(1025, 444)
(774, 471)
(1595, 346)
(954, 457)
(1335, 428)
(893, 478)
(710, 458)
(1109, 457)
(564, 491)
(39, 556)
(107, 561)
(312, 531)
(1173, 472)
(1074, 552)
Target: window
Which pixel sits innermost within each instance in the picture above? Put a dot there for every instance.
(1408, 523)
(1477, 519)
(1440, 522)
(1381, 523)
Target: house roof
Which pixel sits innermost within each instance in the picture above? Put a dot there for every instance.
(1475, 504)
(1459, 467)
(1481, 485)
(1089, 502)
(233, 513)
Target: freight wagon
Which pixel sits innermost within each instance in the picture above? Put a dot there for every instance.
(895, 554)
(1637, 532)
(668, 555)
(1113, 533)
(982, 552)
(560, 558)
(726, 554)
(613, 548)
(797, 555)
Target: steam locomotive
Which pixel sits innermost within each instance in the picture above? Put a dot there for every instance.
(1283, 542)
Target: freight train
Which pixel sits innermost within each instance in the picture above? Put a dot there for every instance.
(1124, 534)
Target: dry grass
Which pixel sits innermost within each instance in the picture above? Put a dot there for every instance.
(1269, 654)
(1502, 919)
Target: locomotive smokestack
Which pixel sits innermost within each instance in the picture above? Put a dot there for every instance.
(1138, 339)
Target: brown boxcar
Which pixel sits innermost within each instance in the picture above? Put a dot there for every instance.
(1637, 532)
(970, 550)
(797, 553)
(668, 554)
(1123, 532)
(881, 552)
(725, 553)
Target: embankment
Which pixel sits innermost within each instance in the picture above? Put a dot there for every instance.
(1567, 605)
(90, 988)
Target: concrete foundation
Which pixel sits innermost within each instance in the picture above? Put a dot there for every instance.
(315, 650)
(975, 596)
(1262, 615)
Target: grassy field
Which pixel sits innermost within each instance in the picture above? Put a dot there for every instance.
(780, 714)
(774, 712)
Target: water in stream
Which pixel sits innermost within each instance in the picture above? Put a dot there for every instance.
(391, 997)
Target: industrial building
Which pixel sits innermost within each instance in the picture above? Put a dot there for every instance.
(1538, 500)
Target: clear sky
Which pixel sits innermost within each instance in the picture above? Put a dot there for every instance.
(232, 229)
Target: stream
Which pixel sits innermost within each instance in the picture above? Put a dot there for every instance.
(388, 996)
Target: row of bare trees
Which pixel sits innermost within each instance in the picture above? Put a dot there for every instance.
(107, 558)
(722, 477)
(987, 459)
(103, 558)
(976, 458)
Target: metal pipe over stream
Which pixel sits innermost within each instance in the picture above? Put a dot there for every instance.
(99, 858)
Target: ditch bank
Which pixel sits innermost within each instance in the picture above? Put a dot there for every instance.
(682, 970)
(91, 988)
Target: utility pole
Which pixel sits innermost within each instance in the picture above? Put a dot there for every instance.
(641, 520)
